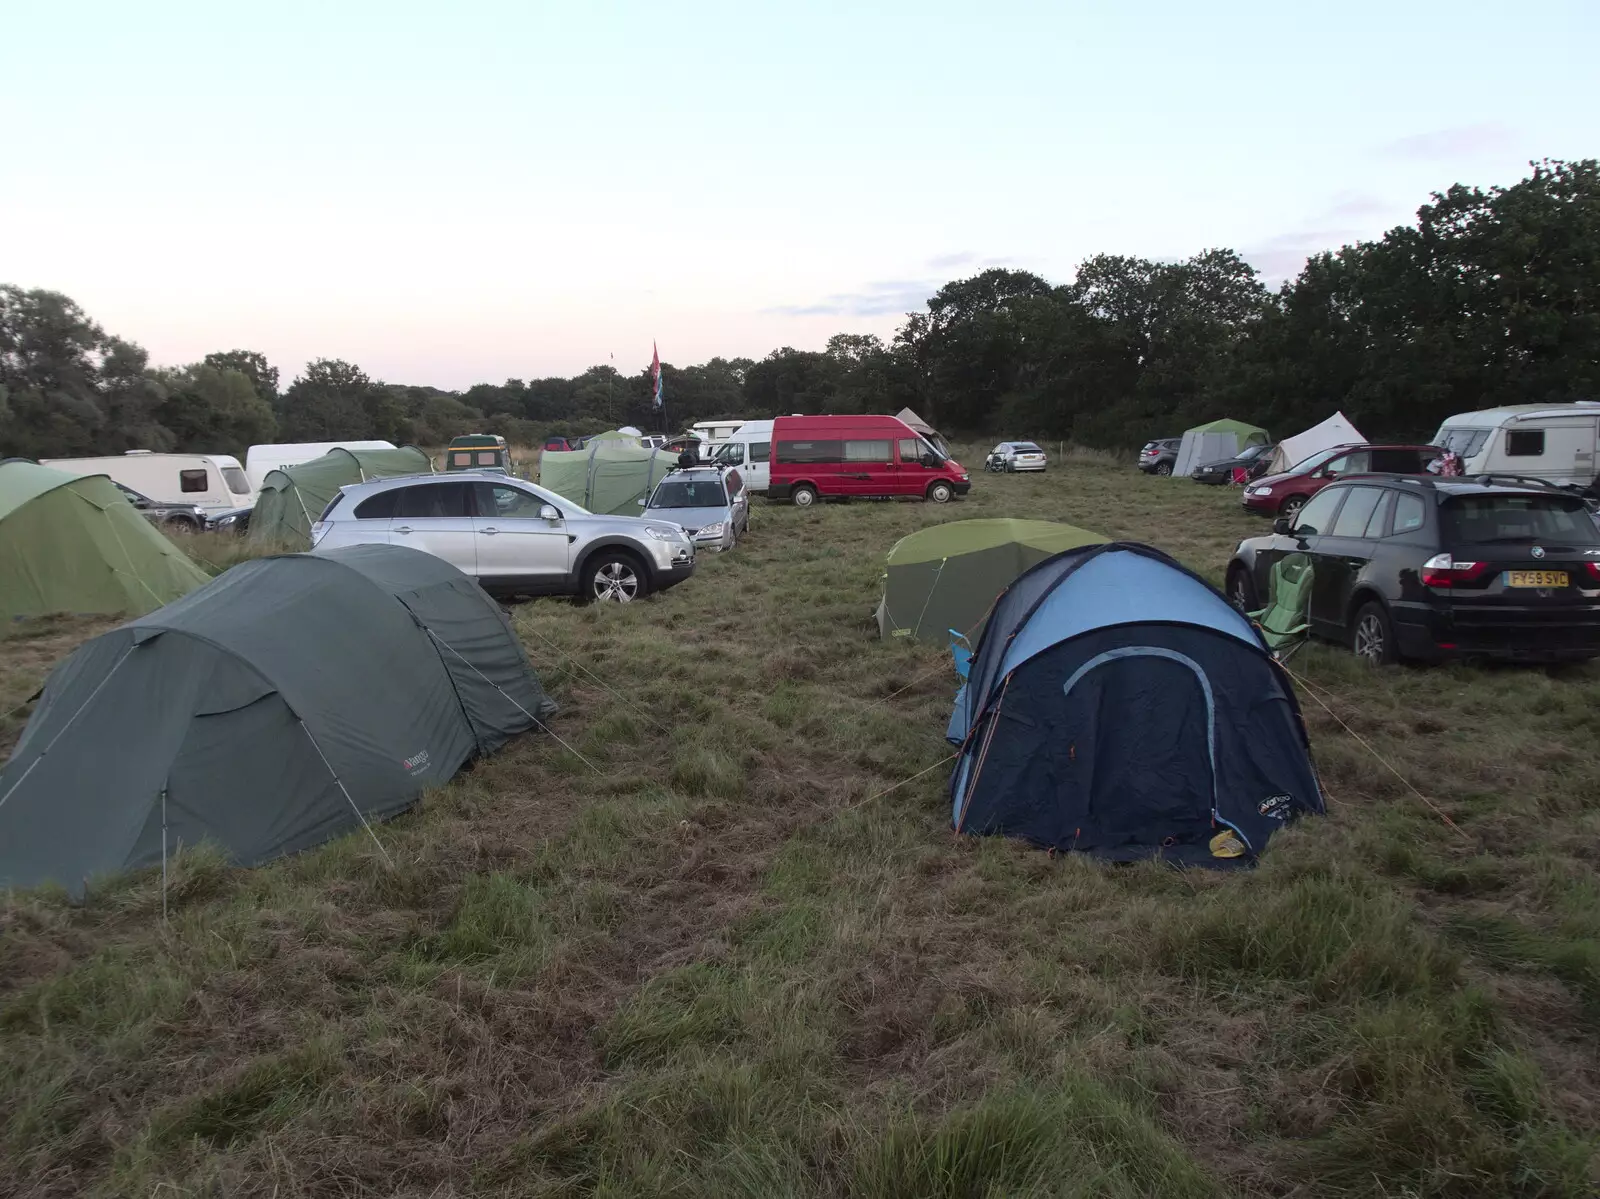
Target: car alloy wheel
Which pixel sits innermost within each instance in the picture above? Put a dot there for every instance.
(1241, 592)
(1163, 468)
(1371, 639)
(616, 582)
(1292, 505)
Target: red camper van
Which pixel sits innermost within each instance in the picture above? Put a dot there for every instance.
(816, 457)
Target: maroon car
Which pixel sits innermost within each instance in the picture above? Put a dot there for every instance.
(1284, 494)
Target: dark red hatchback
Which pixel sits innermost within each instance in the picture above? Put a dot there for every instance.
(1285, 494)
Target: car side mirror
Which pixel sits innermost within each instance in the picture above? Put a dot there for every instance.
(549, 512)
(641, 501)
(929, 461)
(1283, 526)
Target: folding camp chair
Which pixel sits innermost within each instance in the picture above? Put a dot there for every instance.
(1284, 621)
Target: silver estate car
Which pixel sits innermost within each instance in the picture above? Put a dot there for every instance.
(514, 537)
(712, 505)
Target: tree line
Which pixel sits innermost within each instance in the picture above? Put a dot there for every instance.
(1491, 297)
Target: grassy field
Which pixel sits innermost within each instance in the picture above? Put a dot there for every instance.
(724, 954)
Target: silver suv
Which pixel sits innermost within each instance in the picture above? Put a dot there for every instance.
(711, 505)
(514, 537)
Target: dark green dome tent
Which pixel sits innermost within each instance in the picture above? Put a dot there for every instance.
(293, 699)
(73, 543)
(946, 576)
(293, 497)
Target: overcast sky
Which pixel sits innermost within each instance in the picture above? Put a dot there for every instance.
(465, 192)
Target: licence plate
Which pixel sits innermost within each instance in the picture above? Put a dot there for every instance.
(1536, 578)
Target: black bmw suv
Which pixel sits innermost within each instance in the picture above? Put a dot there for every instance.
(1430, 569)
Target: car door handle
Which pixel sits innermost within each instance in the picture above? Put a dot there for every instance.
(488, 532)
(403, 529)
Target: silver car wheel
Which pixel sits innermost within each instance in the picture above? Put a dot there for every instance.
(1370, 644)
(617, 582)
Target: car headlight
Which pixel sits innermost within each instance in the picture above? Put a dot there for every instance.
(965, 476)
(665, 533)
(1262, 491)
(713, 530)
(224, 522)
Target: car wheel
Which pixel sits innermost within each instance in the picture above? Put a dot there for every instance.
(1163, 468)
(614, 578)
(940, 493)
(1291, 505)
(1372, 635)
(1242, 590)
(803, 496)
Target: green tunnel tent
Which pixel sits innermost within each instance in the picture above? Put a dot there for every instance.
(292, 497)
(948, 576)
(74, 544)
(294, 699)
(1215, 441)
(609, 475)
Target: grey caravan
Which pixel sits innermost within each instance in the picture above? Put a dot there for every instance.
(1553, 442)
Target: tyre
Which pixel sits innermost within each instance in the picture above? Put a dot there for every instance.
(182, 525)
(614, 577)
(803, 496)
(940, 493)
(1291, 505)
(1163, 468)
(1372, 635)
(1242, 590)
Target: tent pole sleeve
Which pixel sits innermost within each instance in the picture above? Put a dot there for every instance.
(916, 629)
(12, 790)
(338, 782)
(515, 704)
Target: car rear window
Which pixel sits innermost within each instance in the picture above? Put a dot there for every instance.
(1488, 519)
(1027, 447)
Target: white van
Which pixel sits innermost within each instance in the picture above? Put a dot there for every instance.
(262, 460)
(215, 482)
(749, 448)
(1554, 442)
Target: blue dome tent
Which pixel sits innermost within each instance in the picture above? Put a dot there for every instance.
(1118, 705)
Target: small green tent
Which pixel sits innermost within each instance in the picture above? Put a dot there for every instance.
(73, 543)
(293, 699)
(609, 475)
(293, 497)
(948, 576)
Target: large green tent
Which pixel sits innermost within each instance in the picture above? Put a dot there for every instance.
(1214, 442)
(293, 497)
(609, 475)
(293, 699)
(73, 543)
(948, 576)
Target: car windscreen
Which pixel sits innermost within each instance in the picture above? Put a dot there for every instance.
(1462, 441)
(683, 493)
(1252, 451)
(1510, 518)
(1311, 463)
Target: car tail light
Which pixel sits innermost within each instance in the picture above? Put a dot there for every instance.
(1592, 569)
(1442, 570)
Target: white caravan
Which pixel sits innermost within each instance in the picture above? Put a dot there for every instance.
(1554, 442)
(713, 433)
(215, 482)
(749, 448)
(262, 460)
